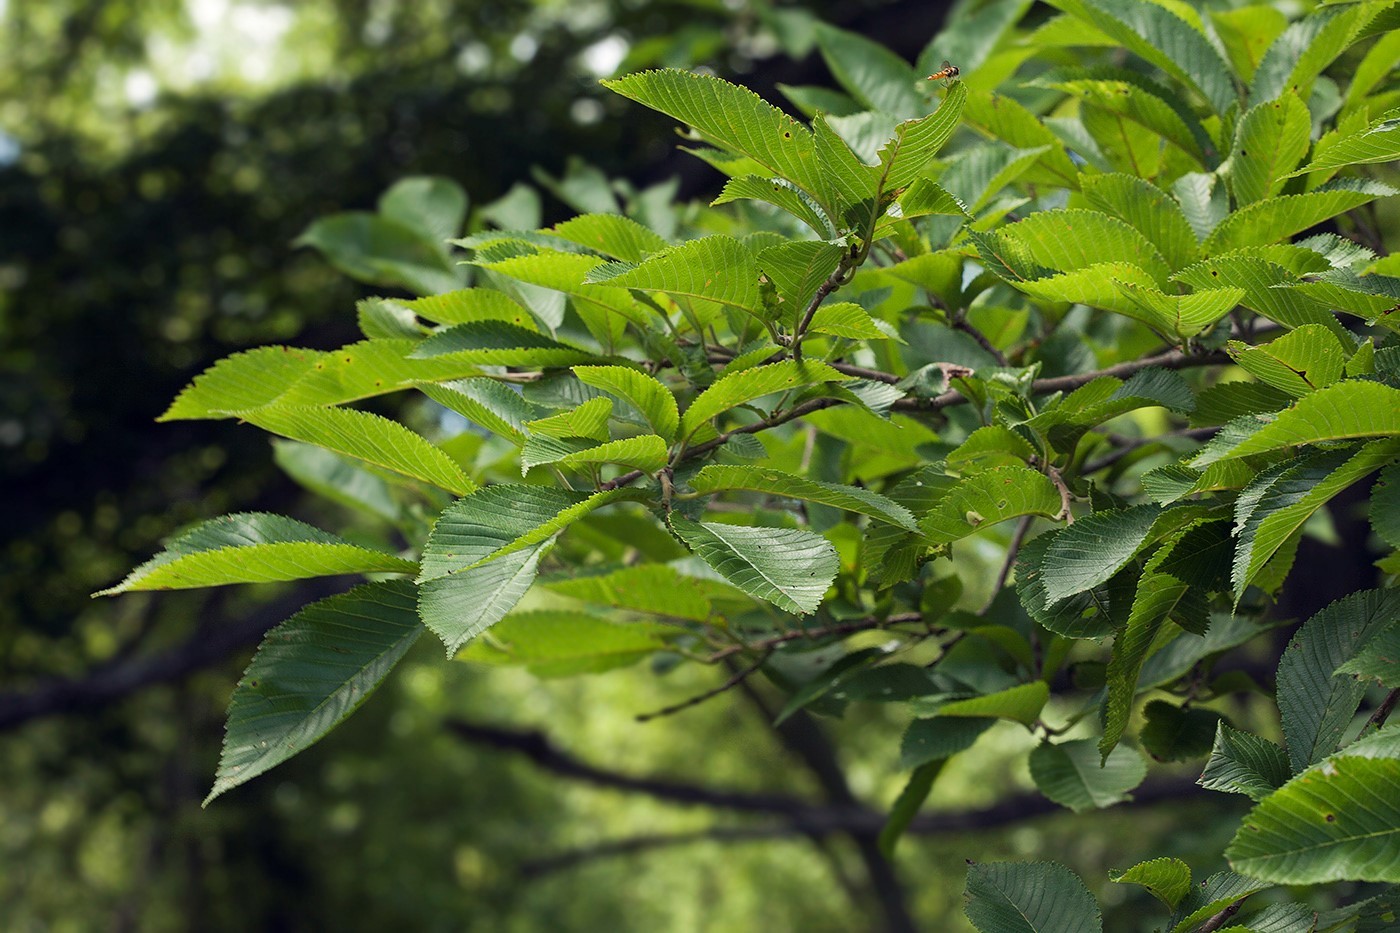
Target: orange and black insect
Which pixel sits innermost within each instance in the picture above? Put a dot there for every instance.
(947, 74)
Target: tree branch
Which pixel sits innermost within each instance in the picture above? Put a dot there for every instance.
(728, 685)
(1131, 444)
(819, 822)
(210, 645)
(537, 747)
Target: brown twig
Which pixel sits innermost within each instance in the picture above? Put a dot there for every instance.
(1172, 359)
(958, 320)
(1218, 921)
(839, 276)
(841, 628)
(1017, 539)
(1131, 444)
(738, 677)
(1065, 497)
(1383, 711)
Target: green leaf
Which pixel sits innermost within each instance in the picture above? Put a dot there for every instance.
(1247, 33)
(1149, 209)
(1089, 614)
(606, 309)
(782, 194)
(488, 403)
(906, 805)
(1299, 362)
(1337, 821)
(1174, 584)
(1029, 897)
(367, 437)
(1268, 288)
(1379, 142)
(1006, 119)
(930, 740)
(469, 304)
(565, 644)
(876, 77)
(612, 235)
(381, 251)
(1161, 36)
(1070, 774)
(788, 567)
(983, 499)
(923, 198)
(1095, 548)
(1177, 733)
(1265, 518)
(434, 206)
(1106, 398)
(1345, 410)
(253, 547)
(1136, 109)
(337, 478)
(1270, 140)
(497, 343)
(645, 452)
(715, 478)
(1213, 895)
(369, 368)
(980, 174)
(658, 589)
(1378, 659)
(915, 142)
(731, 391)
(1226, 401)
(990, 446)
(848, 319)
(310, 673)
(1277, 218)
(717, 269)
(484, 551)
(1243, 763)
(588, 420)
(1072, 239)
(1167, 879)
(1021, 703)
(1305, 48)
(797, 269)
(1315, 703)
(643, 392)
(731, 116)
(242, 382)
(502, 519)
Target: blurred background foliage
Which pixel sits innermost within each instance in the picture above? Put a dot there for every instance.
(157, 159)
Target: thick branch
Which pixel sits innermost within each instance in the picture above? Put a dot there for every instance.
(819, 822)
(209, 646)
(537, 747)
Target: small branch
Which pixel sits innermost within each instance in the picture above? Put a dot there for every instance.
(960, 322)
(1131, 444)
(728, 685)
(1065, 497)
(537, 747)
(1017, 539)
(842, 628)
(1218, 921)
(839, 276)
(1173, 359)
(822, 821)
(1383, 711)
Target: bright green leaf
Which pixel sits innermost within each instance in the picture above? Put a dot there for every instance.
(312, 672)
(788, 567)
